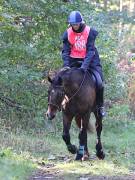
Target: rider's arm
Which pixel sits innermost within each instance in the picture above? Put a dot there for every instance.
(66, 50)
(90, 49)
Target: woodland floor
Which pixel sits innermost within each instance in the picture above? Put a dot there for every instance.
(69, 170)
(51, 170)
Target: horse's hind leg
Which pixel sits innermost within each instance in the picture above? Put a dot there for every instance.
(82, 153)
(99, 151)
(66, 136)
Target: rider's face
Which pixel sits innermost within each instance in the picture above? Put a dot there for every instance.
(75, 26)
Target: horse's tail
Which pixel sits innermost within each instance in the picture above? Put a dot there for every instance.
(90, 127)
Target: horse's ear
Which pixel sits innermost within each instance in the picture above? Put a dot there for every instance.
(49, 79)
(51, 75)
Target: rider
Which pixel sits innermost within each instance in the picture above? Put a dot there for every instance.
(79, 46)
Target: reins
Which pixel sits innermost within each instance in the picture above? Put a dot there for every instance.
(70, 98)
(78, 88)
(57, 106)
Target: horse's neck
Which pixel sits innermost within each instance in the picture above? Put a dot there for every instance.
(72, 82)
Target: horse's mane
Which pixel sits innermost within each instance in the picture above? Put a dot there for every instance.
(69, 73)
(59, 75)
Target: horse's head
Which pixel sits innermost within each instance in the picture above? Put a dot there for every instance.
(55, 96)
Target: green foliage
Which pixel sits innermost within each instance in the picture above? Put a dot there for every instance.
(30, 37)
(49, 149)
(119, 111)
(30, 43)
(30, 33)
(14, 166)
(118, 135)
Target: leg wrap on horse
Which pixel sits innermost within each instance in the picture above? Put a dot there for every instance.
(82, 137)
(83, 144)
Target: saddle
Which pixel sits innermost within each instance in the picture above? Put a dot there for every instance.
(97, 79)
(95, 74)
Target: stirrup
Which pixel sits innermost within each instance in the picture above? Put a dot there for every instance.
(101, 111)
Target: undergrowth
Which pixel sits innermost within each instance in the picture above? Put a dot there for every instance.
(47, 146)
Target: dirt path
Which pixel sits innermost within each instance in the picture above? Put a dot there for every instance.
(50, 171)
(57, 174)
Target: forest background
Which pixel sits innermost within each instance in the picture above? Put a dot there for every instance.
(30, 45)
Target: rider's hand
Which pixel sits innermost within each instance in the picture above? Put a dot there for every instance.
(65, 68)
(82, 69)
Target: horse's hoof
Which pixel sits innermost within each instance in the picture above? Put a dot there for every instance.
(72, 149)
(100, 155)
(85, 157)
(78, 157)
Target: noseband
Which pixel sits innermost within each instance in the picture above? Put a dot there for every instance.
(59, 107)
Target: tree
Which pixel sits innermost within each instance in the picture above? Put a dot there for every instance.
(105, 4)
(121, 5)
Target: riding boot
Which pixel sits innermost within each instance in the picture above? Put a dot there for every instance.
(100, 103)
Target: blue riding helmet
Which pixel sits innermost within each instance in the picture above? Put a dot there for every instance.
(75, 17)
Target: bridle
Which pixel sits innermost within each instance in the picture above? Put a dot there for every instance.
(64, 94)
(78, 88)
(55, 105)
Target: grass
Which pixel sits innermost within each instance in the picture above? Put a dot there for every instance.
(13, 166)
(96, 168)
(23, 151)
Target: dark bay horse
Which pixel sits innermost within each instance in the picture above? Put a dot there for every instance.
(73, 91)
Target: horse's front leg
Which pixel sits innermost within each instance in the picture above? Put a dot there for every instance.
(82, 153)
(99, 150)
(66, 136)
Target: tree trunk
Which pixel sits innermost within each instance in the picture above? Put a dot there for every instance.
(105, 4)
(121, 5)
(66, 0)
(132, 5)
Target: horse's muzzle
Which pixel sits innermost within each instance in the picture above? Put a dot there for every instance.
(50, 116)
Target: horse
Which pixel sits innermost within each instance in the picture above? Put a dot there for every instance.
(74, 92)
